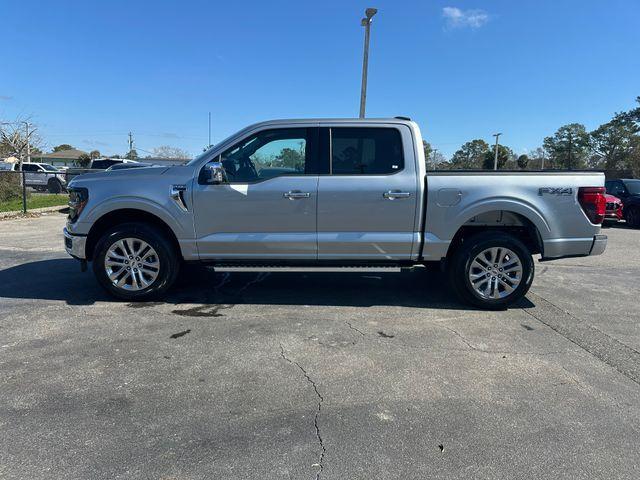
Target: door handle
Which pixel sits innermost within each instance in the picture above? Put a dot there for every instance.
(393, 194)
(296, 194)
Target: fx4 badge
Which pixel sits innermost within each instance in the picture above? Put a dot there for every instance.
(555, 191)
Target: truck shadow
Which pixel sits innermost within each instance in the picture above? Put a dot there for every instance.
(61, 279)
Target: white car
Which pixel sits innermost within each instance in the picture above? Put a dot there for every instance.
(40, 176)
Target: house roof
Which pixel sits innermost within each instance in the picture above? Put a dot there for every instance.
(73, 153)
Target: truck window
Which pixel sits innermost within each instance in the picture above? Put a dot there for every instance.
(104, 164)
(268, 154)
(366, 151)
(26, 167)
(615, 188)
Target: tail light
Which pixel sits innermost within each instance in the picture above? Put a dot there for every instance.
(593, 203)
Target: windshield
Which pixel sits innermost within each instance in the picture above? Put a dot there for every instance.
(633, 186)
(48, 168)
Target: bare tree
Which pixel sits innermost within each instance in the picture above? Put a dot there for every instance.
(13, 138)
(166, 151)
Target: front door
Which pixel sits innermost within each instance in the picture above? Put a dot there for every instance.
(33, 174)
(367, 205)
(267, 208)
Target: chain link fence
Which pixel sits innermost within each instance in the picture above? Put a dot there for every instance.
(33, 187)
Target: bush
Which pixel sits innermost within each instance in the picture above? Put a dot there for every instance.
(10, 187)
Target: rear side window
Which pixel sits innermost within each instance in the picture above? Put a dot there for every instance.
(30, 167)
(366, 151)
(104, 164)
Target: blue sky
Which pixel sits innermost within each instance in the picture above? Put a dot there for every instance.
(89, 72)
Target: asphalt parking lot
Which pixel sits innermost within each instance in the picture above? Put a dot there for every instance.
(318, 375)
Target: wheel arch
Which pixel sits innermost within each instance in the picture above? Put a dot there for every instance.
(501, 220)
(127, 215)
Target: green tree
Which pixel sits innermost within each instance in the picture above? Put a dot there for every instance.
(428, 150)
(470, 155)
(523, 161)
(289, 158)
(504, 155)
(94, 154)
(64, 146)
(132, 155)
(84, 161)
(569, 147)
(614, 141)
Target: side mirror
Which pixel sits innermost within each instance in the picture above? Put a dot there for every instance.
(213, 174)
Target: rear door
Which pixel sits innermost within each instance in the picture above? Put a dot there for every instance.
(367, 204)
(33, 174)
(267, 210)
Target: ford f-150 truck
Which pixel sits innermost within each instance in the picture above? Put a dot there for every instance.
(331, 193)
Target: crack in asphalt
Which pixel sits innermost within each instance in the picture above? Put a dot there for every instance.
(354, 328)
(323, 450)
(259, 278)
(612, 352)
(464, 340)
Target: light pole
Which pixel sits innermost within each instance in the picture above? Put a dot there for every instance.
(366, 23)
(495, 157)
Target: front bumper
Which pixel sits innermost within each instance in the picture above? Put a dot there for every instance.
(75, 244)
(599, 245)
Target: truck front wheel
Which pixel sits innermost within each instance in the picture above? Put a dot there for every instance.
(54, 186)
(491, 270)
(632, 216)
(135, 262)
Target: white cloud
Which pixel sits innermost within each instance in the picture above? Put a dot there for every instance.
(457, 18)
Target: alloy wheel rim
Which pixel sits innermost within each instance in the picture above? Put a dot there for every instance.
(495, 273)
(131, 264)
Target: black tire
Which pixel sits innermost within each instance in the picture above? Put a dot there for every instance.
(632, 216)
(166, 253)
(54, 186)
(461, 263)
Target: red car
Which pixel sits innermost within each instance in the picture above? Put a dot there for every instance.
(614, 208)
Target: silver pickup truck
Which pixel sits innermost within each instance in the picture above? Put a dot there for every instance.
(331, 193)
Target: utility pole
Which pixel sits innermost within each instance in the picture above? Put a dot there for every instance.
(542, 162)
(130, 145)
(495, 157)
(570, 146)
(366, 23)
(435, 163)
(209, 144)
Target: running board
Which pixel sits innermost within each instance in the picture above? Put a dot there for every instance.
(282, 268)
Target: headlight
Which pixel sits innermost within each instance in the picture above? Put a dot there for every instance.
(78, 197)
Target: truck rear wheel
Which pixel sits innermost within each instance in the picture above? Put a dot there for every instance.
(491, 270)
(135, 262)
(54, 186)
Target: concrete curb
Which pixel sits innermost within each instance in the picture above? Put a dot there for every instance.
(19, 213)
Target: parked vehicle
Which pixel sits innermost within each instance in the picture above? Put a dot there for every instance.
(39, 176)
(331, 193)
(97, 164)
(627, 190)
(613, 211)
(124, 166)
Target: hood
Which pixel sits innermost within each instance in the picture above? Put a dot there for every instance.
(118, 175)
